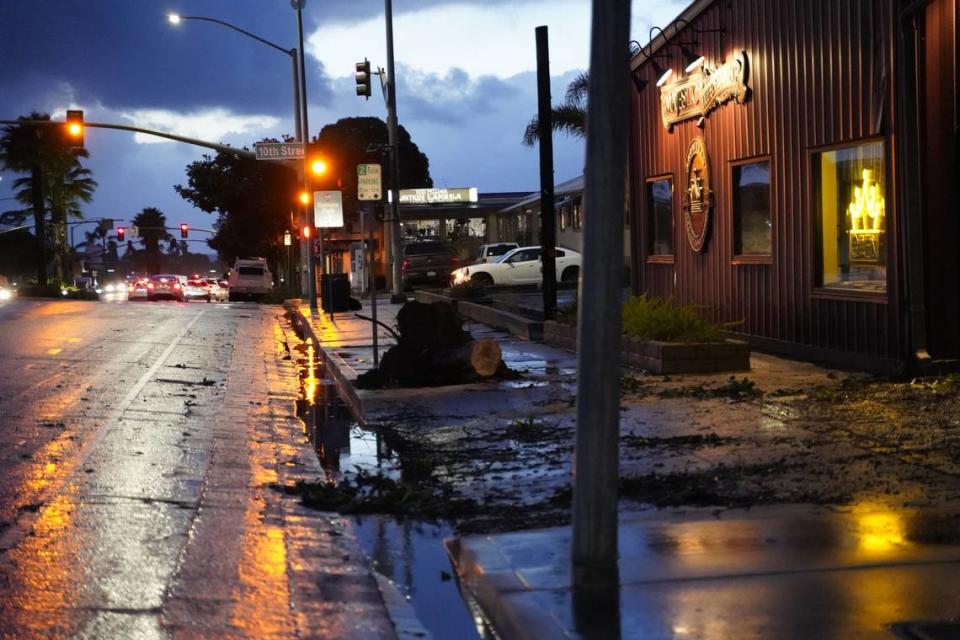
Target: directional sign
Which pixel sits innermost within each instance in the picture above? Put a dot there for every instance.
(369, 184)
(279, 150)
(327, 209)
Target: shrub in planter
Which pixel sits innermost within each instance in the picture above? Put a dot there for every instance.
(660, 319)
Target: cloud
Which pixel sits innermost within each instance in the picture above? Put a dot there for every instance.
(212, 125)
(481, 40)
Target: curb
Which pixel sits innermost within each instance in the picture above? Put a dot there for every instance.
(493, 587)
(345, 388)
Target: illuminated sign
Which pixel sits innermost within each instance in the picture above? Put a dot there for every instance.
(698, 95)
(437, 196)
(698, 197)
(867, 221)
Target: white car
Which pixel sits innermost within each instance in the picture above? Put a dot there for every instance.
(520, 266)
(218, 290)
(490, 252)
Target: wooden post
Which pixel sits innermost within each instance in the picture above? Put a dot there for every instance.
(596, 461)
(548, 219)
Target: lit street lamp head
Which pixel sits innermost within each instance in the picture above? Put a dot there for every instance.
(174, 18)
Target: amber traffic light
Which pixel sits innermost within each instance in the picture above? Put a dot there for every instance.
(318, 166)
(74, 127)
(184, 230)
(304, 197)
(307, 232)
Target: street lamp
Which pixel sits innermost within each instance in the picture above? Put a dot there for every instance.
(176, 19)
(299, 109)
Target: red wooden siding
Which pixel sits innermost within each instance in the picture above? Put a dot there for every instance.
(820, 74)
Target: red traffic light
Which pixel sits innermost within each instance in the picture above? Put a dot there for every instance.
(184, 230)
(121, 233)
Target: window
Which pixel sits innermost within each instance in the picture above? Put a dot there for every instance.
(577, 213)
(850, 201)
(525, 255)
(660, 208)
(753, 234)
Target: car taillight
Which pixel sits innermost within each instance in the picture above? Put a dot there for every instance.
(150, 286)
(176, 285)
(406, 264)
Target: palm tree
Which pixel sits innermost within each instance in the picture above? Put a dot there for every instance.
(152, 225)
(570, 117)
(57, 182)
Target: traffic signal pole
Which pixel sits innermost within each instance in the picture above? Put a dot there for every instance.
(398, 295)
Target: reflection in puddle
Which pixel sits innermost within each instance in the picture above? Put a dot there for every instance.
(411, 554)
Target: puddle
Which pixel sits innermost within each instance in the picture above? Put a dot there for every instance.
(409, 553)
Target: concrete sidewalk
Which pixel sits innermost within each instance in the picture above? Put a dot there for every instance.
(880, 553)
(778, 572)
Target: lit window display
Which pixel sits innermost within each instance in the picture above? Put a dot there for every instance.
(852, 212)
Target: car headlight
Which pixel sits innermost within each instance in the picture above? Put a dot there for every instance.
(5, 294)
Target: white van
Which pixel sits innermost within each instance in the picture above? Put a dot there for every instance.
(249, 278)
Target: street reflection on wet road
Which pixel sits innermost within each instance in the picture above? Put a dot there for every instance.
(110, 417)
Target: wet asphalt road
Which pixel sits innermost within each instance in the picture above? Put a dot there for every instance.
(137, 445)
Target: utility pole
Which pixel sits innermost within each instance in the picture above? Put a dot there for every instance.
(311, 261)
(596, 456)
(398, 295)
(548, 218)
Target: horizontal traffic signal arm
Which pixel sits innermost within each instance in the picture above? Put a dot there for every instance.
(123, 127)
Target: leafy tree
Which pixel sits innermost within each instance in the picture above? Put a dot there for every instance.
(152, 225)
(569, 117)
(255, 201)
(41, 151)
(346, 142)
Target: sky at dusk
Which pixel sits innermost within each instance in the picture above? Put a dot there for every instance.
(466, 82)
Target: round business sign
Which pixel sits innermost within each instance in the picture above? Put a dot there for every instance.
(698, 197)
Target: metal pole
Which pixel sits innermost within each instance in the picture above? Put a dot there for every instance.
(596, 461)
(373, 293)
(548, 218)
(311, 261)
(298, 127)
(398, 295)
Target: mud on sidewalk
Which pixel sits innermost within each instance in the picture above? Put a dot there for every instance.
(497, 456)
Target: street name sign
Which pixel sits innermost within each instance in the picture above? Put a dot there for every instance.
(327, 209)
(369, 183)
(279, 150)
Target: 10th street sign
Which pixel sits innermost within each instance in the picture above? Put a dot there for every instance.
(279, 150)
(369, 184)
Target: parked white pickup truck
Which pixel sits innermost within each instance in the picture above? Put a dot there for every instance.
(250, 278)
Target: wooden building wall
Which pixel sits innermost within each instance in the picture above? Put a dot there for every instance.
(820, 74)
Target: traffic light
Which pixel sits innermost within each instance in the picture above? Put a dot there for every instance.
(74, 128)
(121, 233)
(307, 232)
(304, 197)
(184, 230)
(363, 78)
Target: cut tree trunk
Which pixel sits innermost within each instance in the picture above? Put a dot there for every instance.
(483, 356)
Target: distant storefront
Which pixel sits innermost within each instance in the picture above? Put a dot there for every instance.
(801, 180)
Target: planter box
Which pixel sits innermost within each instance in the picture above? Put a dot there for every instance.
(664, 357)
